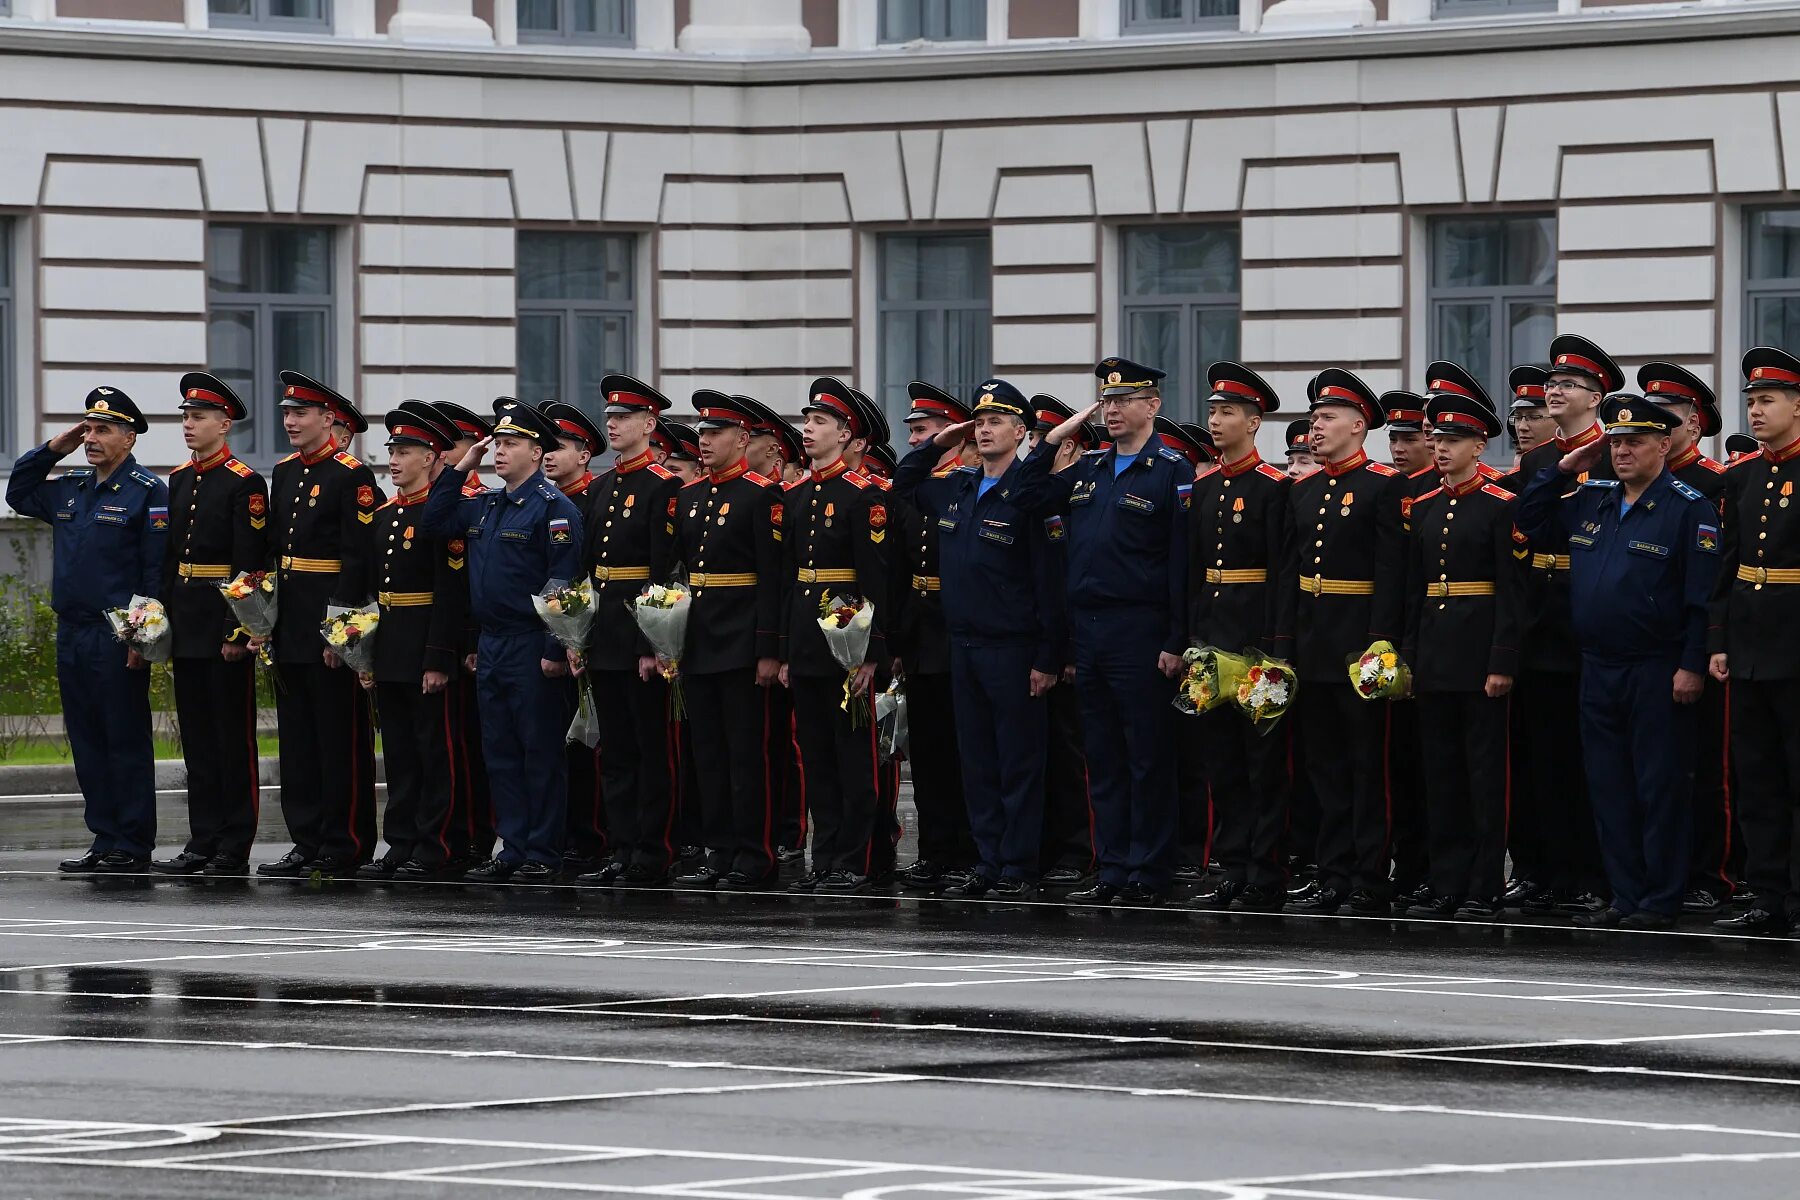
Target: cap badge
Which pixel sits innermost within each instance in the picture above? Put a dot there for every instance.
(102, 406)
(193, 393)
(1115, 377)
(1757, 374)
(1561, 359)
(1624, 414)
(105, 391)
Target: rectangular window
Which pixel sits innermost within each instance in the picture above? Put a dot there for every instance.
(1489, 8)
(1493, 296)
(7, 362)
(1772, 277)
(268, 309)
(1177, 16)
(1181, 305)
(298, 16)
(935, 312)
(590, 22)
(577, 305)
(934, 20)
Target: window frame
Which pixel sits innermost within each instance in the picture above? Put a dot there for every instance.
(1780, 287)
(926, 9)
(1454, 9)
(568, 310)
(1188, 22)
(267, 444)
(8, 364)
(261, 19)
(1188, 306)
(565, 34)
(896, 408)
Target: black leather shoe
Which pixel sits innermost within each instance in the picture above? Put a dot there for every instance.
(607, 875)
(787, 856)
(82, 865)
(806, 884)
(1645, 919)
(1580, 902)
(1518, 891)
(118, 862)
(1303, 890)
(1364, 903)
(1440, 908)
(574, 864)
(1190, 873)
(1755, 920)
(1322, 900)
(1259, 899)
(1141, 895)
(1063, 877)
(702, 876)
(1606, 918)
(1099, 892)
(922, 876)
(289, 866)
(972, 887)
(1219, 895)
(188, 862)
(226, 866)
(336, 868)
(743, 881)
(1477, 910)
(687, 853)
(1014, 889)
(844, 883)
(491, 871)
(414, 871)
(1545, 902)
(644, 875)
(537, 872)
(1700, 900)
(380, 869)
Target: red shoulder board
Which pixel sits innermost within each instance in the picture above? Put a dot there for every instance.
(388, 503)
(188, 465)
(239, 469)
(1406, 503)
(1421, 472)
(1713, 465)
(289, 458)
(1754, 456)
(1496, 491)
(856, 479)
(1381, 468)
(791, 484)
(690, 483)
(348, 459)
(660, 471)
(1488, 471)
(1209, 469)
(1271, 472)
(758, 480)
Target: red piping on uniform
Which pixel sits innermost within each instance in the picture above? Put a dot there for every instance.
(255, 767)
(1087, 793)
(768, 786)
(355, 773)
(1725, 789)
(450, 808)
(1387, 779)
(875, 773)
(799, 774)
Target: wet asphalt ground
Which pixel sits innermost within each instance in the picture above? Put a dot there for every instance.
(280, 1039)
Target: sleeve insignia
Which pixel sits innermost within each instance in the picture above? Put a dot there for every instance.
(877, 516)
(559, 529)
(1184, 495)
(159, 517)
(258, 504)
(1053, 528)
(1706, 539)
(365, 496)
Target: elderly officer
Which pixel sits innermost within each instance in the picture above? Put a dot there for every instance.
(1002, 592)
(218, 527)
(1644, 552)
(1126, 509)
(322, 500)
(109, 521)
(1755, 638)
(521, 537)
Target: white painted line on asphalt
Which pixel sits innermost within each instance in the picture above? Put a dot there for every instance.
(133, 962)
(263, 1151)
(1620, 1041)
(1508, 1168)
(610, 1005)
(504, 1164)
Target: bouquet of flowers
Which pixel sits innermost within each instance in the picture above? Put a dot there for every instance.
(143, 625)
(1378, 674)
(350, 632)
(251, 597)
(567, 611)
(846, 621)
(1266, 691)
(890, 721)
(1209, 678)
(661, 612)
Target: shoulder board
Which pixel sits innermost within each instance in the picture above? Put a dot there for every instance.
(348, 459)
(1092, 453)
(946, 470)
(660, 471)
(1421, 473)
(758, 480)
(549, 491)
(966, 471)
(1496, 491)
(791, 484)
(145, 478)
(1271, 472)
(1711, 464)
(78, 473)
(1209, 469)
(388, 503)
(1171, 454)
(1754, 456)
(289, 458)
(694, 482)
(857, 479)
(239, 469)
(1606, 483)
(186, 466)
(1682, 489)
(1489, 471)
(1428, 495)
(1381, 468)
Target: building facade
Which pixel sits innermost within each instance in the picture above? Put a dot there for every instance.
(457, 199)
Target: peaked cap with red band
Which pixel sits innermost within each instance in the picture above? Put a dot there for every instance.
(1527, 385)
(200, 389)
(624, 395)
(417, 423)
(1404, 412)
(1666, 383)
(1299, 437)
(875, 421)
(1767, 367)
(300, 391)
(573, 425)
(1181, 439)
(1573, 354)
(681, 440)
(469, 425)
(1447, 377)
(1239, 384)
(1048, 412)
(930, 401)
(1335, 385)
(1454, 413)
(833, 396)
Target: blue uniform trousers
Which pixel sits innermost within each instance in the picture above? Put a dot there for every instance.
(1000, 735)
(106, 713)
(1128, 723)
(522, 729)
(1639, 748)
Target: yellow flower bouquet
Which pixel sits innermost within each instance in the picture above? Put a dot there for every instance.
(143, 625)
(251, 597)
(1379, 674)
(350, 633)
(1210, 677)
(1266, 692)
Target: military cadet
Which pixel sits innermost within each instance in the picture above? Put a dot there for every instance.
(1755, 638)
(421, 588)
(632, 509)
(1301, 461)
(835, 535)
(1531, 423)
(521, 538)
(1553, 781)
(1001, 592)
(946, 844)
(578, 440)
(776, 453)
(1411, 453)
(1067, 847)
(773, 448)
(1237, 545)
(323, 501)
(109, 522)
(1740, 445)
(726, 537)
(469, 776)
(1349, 572)
(1126, 510)
(218, 525)
(1466, 609)
(683, 449)
(1644, 551)
(1718, 853)
(1409, 445)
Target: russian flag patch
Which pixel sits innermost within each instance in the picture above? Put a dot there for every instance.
(159, 517)
(1184, 493)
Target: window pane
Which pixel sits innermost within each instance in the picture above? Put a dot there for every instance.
(574, 266)
(1463, 333)
(601, 18)
(231, 355)
(942, 268)
(538, 14)
(298, 10)
(1175, 262)
(967, 21)
(230, 8)
(901, 20)
(1153, 337)
(1531, 325)
(1530, 252)
(1515, 252)
(299, 262)
(540, 356)
(232, 261)
(967, 351)
(298, 337)
(1775, 244)
(602, 346)
(1775, 320)
(1155, 10)
(1215, 338)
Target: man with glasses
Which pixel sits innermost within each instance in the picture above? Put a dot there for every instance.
(1531, 423)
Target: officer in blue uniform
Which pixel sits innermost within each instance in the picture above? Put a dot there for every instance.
(520, 537)
(110, 520)
(1643, 555)
(1126, 509)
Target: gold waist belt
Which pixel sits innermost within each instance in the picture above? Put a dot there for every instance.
(403, 599)
(1246, 575)
(311, 566)
(1316, 585)
(1762, 575)
(1550, 562)
(203, 571)
(722, 579)
(927, 583)
(1441, 588)
(826, 575)
(608, 574)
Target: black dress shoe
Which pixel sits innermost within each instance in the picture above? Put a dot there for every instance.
(414, 871)
(644, 875)
(1755, 920)
(82, 865)
(1702, 900)
(744, 881)
(1478, 910)
(787, 856)
(188, 862)
(686, 853)
(335, 868)
(537, 872)
(702, 876)
(289, 866)
(1014, 889)
(118, 862)
(1518, 891)
(1190, 873)
(1439, 908)
(1219, 895)
(491, 871)
(972, 887)
(1606, 918)
(1303, 890)
(1580, 902)
(922, 876)
(1645, 919)
(380, 869)
(1259, 899)
(807, 883)
(1099, 892)
(1365, 903)
(607, 875)
(226, 866)
(1141, 895)
(1545, 902)
(1322, 900)
(1063, 877)
(844, 883)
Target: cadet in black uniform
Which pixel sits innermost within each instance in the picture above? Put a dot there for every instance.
(1525, 836)
(1410, 453)
(1466, 607)
(1755, 638)
(775, 449)
(324, 501)
(218, 527)
(421, 585)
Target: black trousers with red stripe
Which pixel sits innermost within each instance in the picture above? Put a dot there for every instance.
(1718, 850)
(944, 836)
(1407, 798)
(636, 765)
(1248, 775)
(587, 805)
(215, 702)
(1765, 714)
(842, 772)
(470, 779)
(737, 821)
(1467, 791)
(327, 761)
(421, 820)
(1345, 750)
(787, 787)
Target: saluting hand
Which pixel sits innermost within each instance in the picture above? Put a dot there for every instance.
(954, 435)
(476, 453)
(1688, 685)
(1583, 459)
(1068, 428)
(68, 439)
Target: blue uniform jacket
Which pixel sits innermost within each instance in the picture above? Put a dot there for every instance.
(1002, 578)
(108, 537)
(518, 542)
(1638, 584)
(1127, 535)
